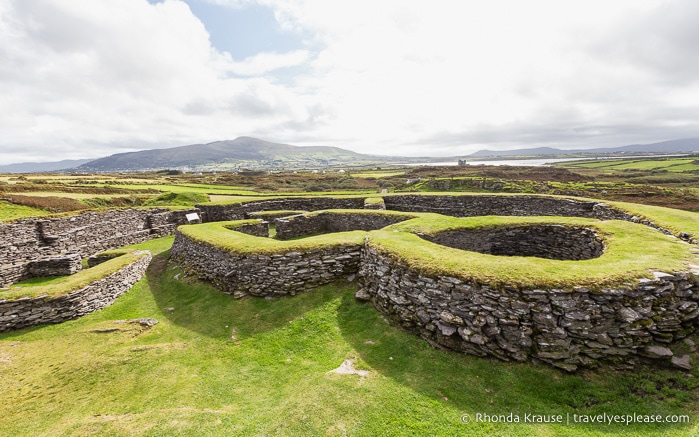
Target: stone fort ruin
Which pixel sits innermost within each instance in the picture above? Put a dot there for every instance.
(571, 326)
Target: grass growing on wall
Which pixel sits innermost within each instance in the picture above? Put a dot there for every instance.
(219, 235)
(672, 219)
(631, 251)
(59, 286)
(217, 366)
(373, 201)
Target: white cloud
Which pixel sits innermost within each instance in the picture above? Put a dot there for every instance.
(387, 77)
(231, 3)
(93, 78)
(263, 63)
(405, 72)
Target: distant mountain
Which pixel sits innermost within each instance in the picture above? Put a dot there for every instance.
(686, 145)
(40, 167)
(243, 152)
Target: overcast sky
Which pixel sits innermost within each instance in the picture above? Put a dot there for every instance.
(85, 79)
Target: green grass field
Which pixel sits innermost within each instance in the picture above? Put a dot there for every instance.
(377, 173)
(217, 366)
(11, 211)
(186, 188)
(69, 195)
(669, 164)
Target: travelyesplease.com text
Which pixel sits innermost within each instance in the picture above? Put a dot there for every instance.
(573, 418)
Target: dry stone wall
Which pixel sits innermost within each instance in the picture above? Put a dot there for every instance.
(26, 242)
(25, 312)
(641, 321)
(56, 266)
(543, 241)
(326, 222)
(265, 275)
(452, 205)
(470, 206)
(564, 328)
(568, 329)
(219, 213)
(259, 229)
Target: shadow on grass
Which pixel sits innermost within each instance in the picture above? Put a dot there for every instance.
(198, 306)
(482, 385)
(20, 334)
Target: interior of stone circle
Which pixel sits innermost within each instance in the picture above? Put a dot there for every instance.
(556, 242)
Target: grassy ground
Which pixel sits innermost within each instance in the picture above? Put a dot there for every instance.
(66, 195)
(189, 188)
(11, 211)
(218, 366)
(669, 164)
(366, 174)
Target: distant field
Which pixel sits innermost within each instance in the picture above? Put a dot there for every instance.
(73, 179)
(186, 188)
(71, 195)
(378, 174)
(10, 211)
(678, 165)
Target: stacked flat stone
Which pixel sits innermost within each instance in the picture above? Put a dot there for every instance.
(25, 312)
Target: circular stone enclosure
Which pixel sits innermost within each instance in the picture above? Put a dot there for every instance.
(551, 241)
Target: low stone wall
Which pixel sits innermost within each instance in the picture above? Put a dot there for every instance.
(477, 205)
(300, 225)
(520, 205)
(577, 327)
(240, 211)
(326, 222)
(566, 329)
(452, 205)
(259, 229)
(264, 275)
(543, 241)
(25, 312)
(56, 266)
(29, 241)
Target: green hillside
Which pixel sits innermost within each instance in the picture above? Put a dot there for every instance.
(244, 152)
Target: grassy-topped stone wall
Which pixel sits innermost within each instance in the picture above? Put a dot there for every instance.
(241, 264)
(682, 224)
(622, 306)
(66, 298)
(239, 210)
(336, 221)
(614, 291)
